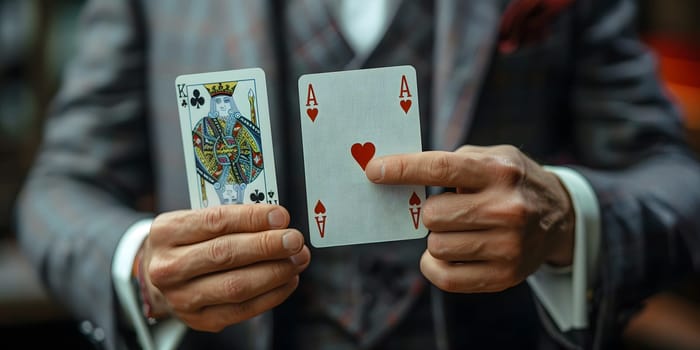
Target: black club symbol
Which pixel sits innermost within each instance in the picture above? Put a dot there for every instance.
(257, 196)
(196, 100)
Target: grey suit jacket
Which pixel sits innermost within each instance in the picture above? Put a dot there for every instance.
(586, 95)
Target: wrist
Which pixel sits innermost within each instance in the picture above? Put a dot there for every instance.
(150, 305)
(563, 236)
(563, 252)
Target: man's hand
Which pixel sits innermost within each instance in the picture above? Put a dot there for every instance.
(219, 266)
(507, 217)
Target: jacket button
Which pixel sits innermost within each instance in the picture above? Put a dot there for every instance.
(86, 327)
(98, 335)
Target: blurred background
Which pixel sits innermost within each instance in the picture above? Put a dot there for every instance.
(36, 39)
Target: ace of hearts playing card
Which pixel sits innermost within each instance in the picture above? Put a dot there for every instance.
(226, 137)
(348, 118)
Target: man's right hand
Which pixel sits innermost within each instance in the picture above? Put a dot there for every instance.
(218, 266)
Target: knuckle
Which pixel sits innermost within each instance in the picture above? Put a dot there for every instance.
(510, 172)
(474, 247)
(161, 227)
(279, 271)
(436, 246)
(401, 168)
(266, 244)
(158, 227)
(248, 215)
(220, 252)
(235, 289)
(509, 164)
(430, 215)
(214, 219)
(511, 250)
(440, 168)
(159, 272)
(517, 212)
(509, 151)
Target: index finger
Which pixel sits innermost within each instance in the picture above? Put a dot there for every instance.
(433, 168)
(191, 226)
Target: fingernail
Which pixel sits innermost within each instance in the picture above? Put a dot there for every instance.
(291, 241)
(275, 218)
(374, 174)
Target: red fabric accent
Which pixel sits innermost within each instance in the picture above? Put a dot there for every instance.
(679, 67)
(679, 58)
(677, 45)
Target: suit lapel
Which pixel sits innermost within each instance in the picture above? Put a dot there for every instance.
(465, 36)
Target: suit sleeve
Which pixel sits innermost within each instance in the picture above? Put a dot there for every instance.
(630, 139)
(92, 168)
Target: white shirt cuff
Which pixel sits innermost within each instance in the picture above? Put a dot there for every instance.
(563, 292)
(166, 334)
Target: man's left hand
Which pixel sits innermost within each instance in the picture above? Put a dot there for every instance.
(507, 216)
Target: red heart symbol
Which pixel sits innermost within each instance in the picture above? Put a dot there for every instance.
(312, 113)
(362, 153)
(319, 208)
(405, 105)
(414, 200)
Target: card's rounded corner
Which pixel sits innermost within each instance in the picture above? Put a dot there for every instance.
(259, 70)
(315, 245)
(411, 67)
